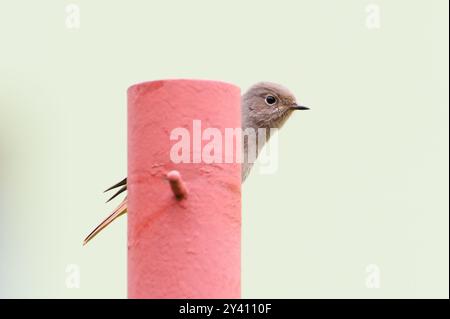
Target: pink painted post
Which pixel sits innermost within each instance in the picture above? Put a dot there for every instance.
(184, 220)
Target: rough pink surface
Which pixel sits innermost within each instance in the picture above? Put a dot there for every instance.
(189, 248)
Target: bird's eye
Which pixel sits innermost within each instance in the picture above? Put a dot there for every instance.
(271, 100)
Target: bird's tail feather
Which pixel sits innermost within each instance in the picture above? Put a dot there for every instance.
(120, 210)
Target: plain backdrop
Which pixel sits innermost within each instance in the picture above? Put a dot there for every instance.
(362, 178)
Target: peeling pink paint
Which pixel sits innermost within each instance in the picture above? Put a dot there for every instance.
(188, 248)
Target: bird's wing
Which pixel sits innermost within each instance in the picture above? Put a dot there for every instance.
(122, 189)
(120, 210)
(122, 183)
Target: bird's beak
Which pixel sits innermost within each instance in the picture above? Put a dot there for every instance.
(299, 107)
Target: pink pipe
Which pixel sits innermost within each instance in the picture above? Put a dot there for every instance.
(184, 220)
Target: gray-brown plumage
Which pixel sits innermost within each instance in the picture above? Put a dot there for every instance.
(265, 105)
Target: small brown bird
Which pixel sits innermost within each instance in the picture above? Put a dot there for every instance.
(264, 105)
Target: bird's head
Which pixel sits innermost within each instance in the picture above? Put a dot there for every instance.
(268, 105)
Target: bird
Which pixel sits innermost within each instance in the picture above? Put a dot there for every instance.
(264, 105)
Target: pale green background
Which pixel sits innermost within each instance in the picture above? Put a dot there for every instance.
(363, 177)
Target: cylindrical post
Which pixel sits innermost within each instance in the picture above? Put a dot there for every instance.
(184, 218)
